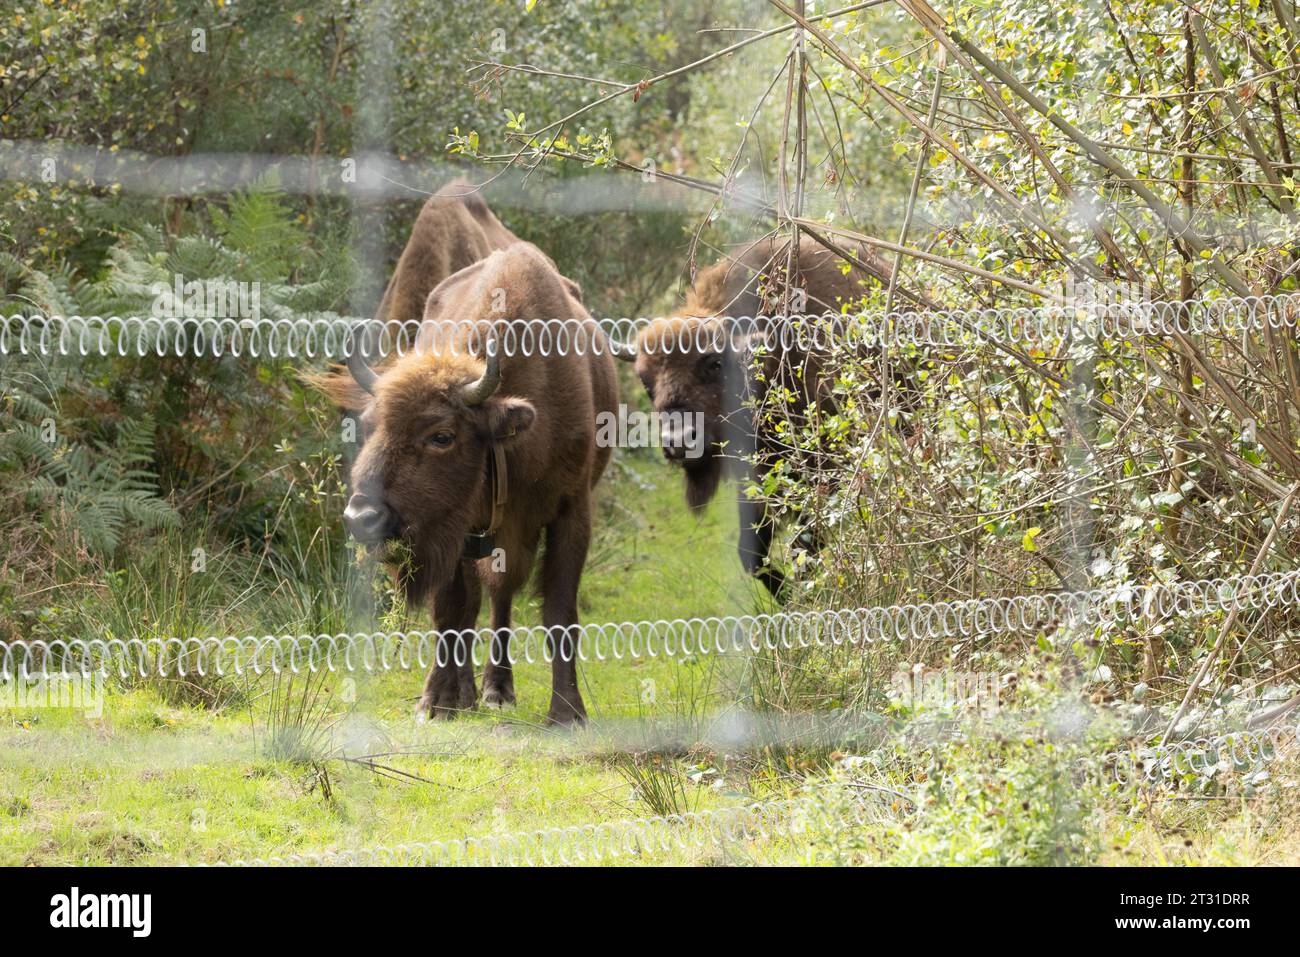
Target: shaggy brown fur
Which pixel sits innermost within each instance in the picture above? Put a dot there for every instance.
(713, 377)
(751, 281)
(424, 464)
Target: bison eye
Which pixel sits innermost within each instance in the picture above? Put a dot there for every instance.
(713, 365)
(441, 439)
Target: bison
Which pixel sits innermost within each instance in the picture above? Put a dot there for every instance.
(467, 447)
(697, 366)
(454, 229)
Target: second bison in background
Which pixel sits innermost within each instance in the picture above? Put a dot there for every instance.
(697, 368)
(455, 229)
(461, 445)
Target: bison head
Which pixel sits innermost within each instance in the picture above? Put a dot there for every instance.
(695, 376)
(429, 421)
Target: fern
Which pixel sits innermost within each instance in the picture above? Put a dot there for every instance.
(102, 476)
(100, 490)
(261, 230)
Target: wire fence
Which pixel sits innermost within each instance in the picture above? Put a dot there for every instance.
(629, 840)
(1241, 752)
(836, 809)
(671, 639)
(1143, 766)
(330, 336)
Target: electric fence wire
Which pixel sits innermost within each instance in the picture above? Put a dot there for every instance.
(330, 336)
(380, 651)
(629, 839)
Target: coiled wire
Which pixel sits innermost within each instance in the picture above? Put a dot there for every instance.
(1239, 752)
(329, 336)
(616, 641)
(628, 839)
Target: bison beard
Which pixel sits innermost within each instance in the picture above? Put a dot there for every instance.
(703, 476)
(728, 453)
(426, 560)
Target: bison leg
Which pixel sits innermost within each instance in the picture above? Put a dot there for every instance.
(450, 687)
(567, 540)
(498, 673)
(755, 542)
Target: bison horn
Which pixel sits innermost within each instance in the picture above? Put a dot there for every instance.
(477, 392)
(365, 376)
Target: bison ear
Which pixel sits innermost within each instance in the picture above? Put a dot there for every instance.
(340, 388)
(508, 417)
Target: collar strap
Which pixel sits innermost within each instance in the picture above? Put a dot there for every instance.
(498, 479)
(479, 544)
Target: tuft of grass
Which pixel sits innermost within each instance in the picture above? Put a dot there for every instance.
(297, 727)
(182, 587)
(657, 783)
(296, 723)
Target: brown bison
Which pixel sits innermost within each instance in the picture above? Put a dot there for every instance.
(697, 367)
(464, 451)
(454, 229)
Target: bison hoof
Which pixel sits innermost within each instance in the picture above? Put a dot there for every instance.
(498, 695)
(431, 708)
(566, 714)
(446, 695)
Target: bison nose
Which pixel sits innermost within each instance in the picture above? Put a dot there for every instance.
(677, 433)
(367, 521)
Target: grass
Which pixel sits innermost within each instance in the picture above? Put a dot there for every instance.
(199, 772)
(235, 769)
